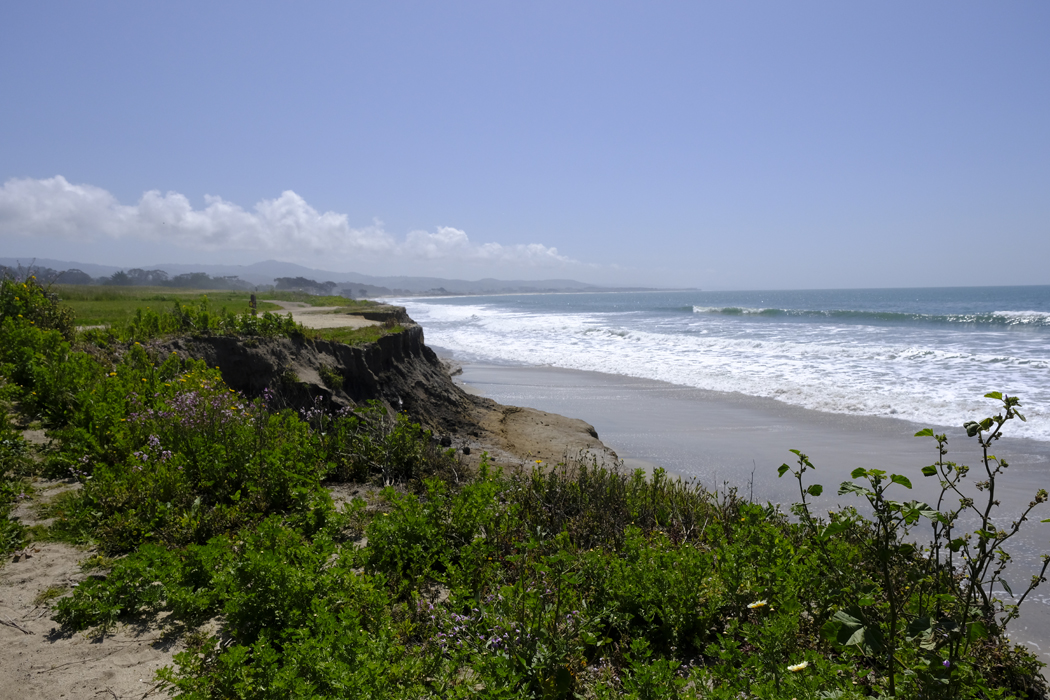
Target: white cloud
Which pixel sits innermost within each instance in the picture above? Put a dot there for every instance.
(287, 226)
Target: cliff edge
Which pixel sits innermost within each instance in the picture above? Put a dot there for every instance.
(403, 374)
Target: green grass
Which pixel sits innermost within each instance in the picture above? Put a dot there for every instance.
(316, 300)
(46, 596)
(106, 305)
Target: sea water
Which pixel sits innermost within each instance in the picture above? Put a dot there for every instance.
(924, 355)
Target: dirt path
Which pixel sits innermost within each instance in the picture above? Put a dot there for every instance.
(36, 659)
(322, 316)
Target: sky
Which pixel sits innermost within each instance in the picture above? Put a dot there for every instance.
(729, 145)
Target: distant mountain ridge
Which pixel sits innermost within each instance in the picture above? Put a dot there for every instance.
(266, 273)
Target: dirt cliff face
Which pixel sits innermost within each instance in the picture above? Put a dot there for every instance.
(398, 370)
(401, 372)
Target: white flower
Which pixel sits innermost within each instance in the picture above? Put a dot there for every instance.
(758, 604)
(798, 667)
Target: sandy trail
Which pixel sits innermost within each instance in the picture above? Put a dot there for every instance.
(322, 316)
(39, 661)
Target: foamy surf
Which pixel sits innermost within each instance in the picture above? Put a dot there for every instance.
(922, 365)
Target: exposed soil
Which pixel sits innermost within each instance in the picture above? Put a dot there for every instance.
(323, 316)
(403, 374)
(37, 660)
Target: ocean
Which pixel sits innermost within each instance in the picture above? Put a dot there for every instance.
(924, 355)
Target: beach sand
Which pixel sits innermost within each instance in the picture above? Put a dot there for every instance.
(720, 438)
(322, 316)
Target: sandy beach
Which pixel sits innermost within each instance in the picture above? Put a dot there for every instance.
(720, 438)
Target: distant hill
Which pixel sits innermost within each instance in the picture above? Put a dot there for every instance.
(292, 276)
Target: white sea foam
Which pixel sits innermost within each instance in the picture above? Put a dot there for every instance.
(924, 375)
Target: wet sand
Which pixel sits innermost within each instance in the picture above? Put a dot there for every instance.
(720, 438)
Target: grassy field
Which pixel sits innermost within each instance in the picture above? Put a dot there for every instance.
(315, 300)
(106, 305)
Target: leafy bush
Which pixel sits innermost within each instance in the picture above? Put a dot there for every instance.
(13, 451)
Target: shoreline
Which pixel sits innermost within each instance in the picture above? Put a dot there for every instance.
(721, 439)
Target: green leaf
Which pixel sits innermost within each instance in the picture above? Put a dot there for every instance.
(858, 473)
(1006, 586)
(902, 480)
(795, 452)
(921, 630)
(919, 625)
(925, 432)
(848, 630)
(835, 528)
(850, 487)
(930, 470)
(784, 469)
(994, 395)
(971, 428)
(976, 630)
(956, 544)
(815, 490)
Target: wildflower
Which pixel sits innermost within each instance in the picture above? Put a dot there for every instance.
(758, 604)
(801, 666)
(112, 374)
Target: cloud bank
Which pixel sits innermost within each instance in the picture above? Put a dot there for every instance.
(286, 227)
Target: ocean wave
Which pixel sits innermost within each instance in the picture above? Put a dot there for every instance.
(914, 373)
(994, 318)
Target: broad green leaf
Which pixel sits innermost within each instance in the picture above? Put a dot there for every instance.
(850, 487)
(815, 490)
(976, 630)
(994, 395)
(902, 480)
(858, 473)
(925, 432)
(919, 625)
(784, 469)
(956, 544)
(835, 528)
(930, 470)
(795, 452)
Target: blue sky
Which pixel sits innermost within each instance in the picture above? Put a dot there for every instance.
(715, 145)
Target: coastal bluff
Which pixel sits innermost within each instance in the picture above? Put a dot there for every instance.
(404, 375)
